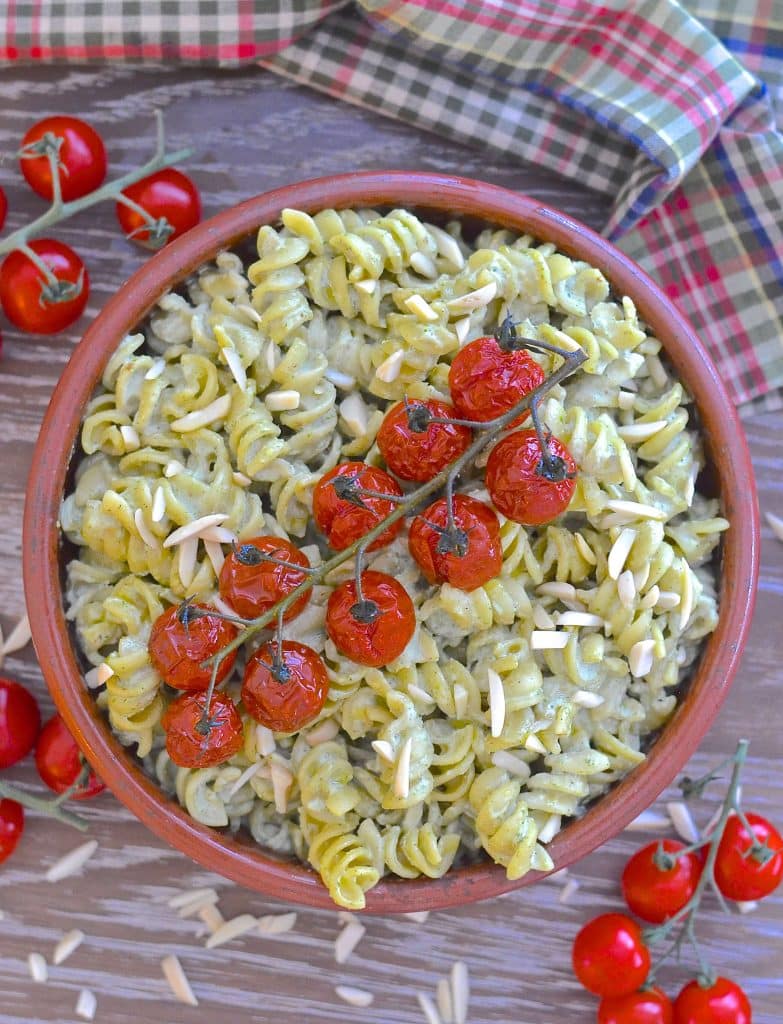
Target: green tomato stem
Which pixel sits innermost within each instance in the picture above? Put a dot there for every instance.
(51, 808)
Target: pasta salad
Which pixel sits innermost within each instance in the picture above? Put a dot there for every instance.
(495, 661)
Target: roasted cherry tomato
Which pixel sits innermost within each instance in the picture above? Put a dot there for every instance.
(193, 741)
(489, 376)
(652, 1006)
(741, 874)
(81, 157)
(413, 446)
(284, 690)
(526, 487)
(251, 585)
(3, 207)
(60, 763)
(376, 631)
(20, 722)
(655, 893)
(467, 554)
(720, 1003)
(609, 956)
(35, 306)
(182, 638)
(345, 515)
(171, 198)
(11, 827)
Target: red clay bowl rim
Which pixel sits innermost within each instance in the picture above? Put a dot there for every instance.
(224, 854)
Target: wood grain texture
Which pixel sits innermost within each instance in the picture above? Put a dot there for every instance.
(254, 132)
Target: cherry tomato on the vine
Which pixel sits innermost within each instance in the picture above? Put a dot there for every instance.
(651, 1006)
(251, 585)
(525, 486)
(191, 741)
(385, 624)
(486, 379)
(81, 157)
(11, 827)
(466, 556)
(723, 1002)
(35, 306)
(20, 722)
(59, 761)
(166, 195)
(609, 956)
(413, 446)
(345, 519)
(3, 207)
(740, 874)
(286, 693)
(182, 638)
(654, 893)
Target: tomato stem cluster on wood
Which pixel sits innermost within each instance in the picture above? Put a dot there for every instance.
(487, 432)
(112, 190)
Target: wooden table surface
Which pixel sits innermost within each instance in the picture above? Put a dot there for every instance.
(254, 132)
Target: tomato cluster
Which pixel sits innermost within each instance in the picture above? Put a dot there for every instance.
(610, 956)
(369, 619)
(57, 757)
(169, 199)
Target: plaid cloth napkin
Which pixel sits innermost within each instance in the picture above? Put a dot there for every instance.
(670, 109)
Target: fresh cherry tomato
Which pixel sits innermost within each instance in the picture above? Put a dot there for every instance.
(3, 207)
(413, 446)
(345, 519)
(385, 624)
(655, 894)
(59, 761)
(284, 693)
(740, 874)
(182, 638)
(33, 305)
(652, 1006)
(724, 1002)
(81, 157)
(466, 556)
(187, 745)
(20, 722)
(526, 487)
(487, 379)
(168, 195)
(11, 827)
(609, 956)
(251, 586)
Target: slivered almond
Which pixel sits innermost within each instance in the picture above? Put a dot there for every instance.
(641, 576)
(428, 1009)
(355, 414)
(648, 821)
(473, 300)
(585, 550)
(686, 607)
(419, 916)
(18, 638)
(322, 733)
(587, 699)
(561, 591)
(403, 770)
(186, 562)
(579, 619)
(337, 377)
(445, 1000)
(419, 694)
(178, 982)
(460, 992)
(548, 640)
(461, 328)
(447, 246)
(282, 780)
(265, 741)
(234, 364)
(534, 744)
(775, 524)
(354, 996)
(216, 410)
(640, 660)
(282, 401)
(158, 505)
(626, 399)
(615, 563)
(366, 285)
(215, 555)
(421, 309)
(72, 862)
(232, 929)
(157, 368)
(626, 588)
(130, 438)
(347, 941)
(460, 695)
(172, 468)
(237, 784)
(67, 945)
(667, 599)
(682, 820)
(423, 265)
(98, 676)
(628, 471)
(211, 917)
(656, 371)
(541, 618)
(208, 898)
(511, 763)
(650, 599)
(497, 703)
(181, 899)
(219, 535)
(389, 370)
(39, 971)
(568, 891)
(86, 1004)
(636, 509)
(276, 924)
(638, 432)
(144, 531)
(194, 528)
(550, 829)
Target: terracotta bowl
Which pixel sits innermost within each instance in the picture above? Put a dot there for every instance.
(238, 858)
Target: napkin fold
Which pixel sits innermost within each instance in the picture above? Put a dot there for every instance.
(671, 110)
